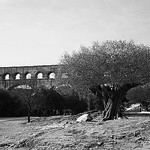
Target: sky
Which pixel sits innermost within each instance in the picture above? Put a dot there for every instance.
(39, 32)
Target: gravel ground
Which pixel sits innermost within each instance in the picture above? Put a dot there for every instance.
(64, 133)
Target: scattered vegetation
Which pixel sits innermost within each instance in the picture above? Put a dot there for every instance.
(106, 78)
(42, 102)
(100, 77)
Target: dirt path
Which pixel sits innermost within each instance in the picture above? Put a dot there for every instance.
(63, 133)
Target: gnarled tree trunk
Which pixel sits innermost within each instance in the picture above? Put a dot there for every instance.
(114, 97)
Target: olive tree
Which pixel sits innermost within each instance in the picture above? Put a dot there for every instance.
(120, 64)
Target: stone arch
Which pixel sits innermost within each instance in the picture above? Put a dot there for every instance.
(51, 75)
(6, 76)
(17, 76)
(28, 75)
(23, 86)
(17, 86)
(39, 75)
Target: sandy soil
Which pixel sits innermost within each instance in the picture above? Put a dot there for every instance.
(64, 133)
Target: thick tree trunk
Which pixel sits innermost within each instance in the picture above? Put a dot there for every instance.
(101, 105)
(113, 108)
(112, 99)
(111, 111)
(107, 113)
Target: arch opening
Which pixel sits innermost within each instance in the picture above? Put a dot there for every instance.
(40, 75)
(28, 76)
(17, 76)
(52, 75)
(7, 76)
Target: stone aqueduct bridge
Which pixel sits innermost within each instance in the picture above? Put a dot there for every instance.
(33, 76)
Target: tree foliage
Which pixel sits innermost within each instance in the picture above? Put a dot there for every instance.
(48, 100)
(26, 94)
(9, 105)
(117, 63)
(114, 62)
(58, 98)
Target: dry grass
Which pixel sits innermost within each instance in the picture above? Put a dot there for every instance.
(63, 133)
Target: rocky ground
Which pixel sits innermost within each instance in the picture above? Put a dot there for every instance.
(64, 133)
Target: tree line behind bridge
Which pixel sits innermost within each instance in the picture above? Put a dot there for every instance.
(48, 102)
(43, 102)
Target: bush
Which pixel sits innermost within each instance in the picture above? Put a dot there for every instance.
(10, 106)
(140, 94)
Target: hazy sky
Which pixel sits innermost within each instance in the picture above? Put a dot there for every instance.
(38, 32)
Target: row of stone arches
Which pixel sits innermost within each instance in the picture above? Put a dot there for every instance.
(28, 75)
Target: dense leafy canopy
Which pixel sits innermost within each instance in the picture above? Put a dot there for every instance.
(119, 64)
(114, 62)
(10, 105)
(59, 98)
(42, 102)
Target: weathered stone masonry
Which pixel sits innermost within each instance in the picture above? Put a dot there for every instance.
(44, 75)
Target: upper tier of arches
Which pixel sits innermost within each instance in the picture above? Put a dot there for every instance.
(28, 75)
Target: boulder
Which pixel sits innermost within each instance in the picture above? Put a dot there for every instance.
(83, 118)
